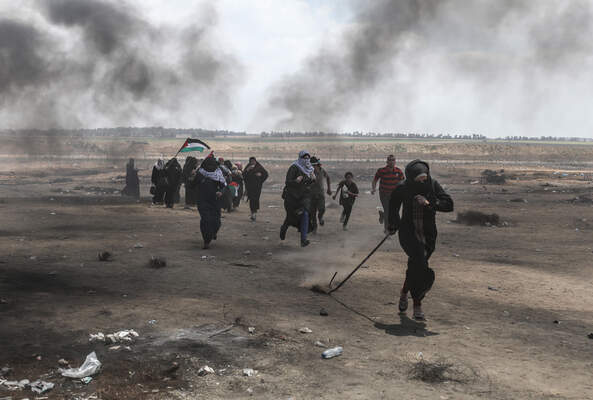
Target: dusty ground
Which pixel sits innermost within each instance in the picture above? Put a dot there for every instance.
(490, 314)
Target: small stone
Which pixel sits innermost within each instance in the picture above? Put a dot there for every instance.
(205, 370)
(319, 344)
(590, 336)
(305, 330)
(138, 246)
(265, 238)
(323, 312)
(492, 288)
(246, 252)
(248, 372)
(269, 254)
(250, 391)
(63, 362)
(556, 321)
(251, 330)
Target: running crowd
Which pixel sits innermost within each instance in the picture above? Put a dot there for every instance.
(217, 184)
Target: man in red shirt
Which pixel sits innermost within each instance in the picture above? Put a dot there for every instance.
(390, 176)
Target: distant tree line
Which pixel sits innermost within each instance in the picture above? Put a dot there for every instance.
(152, 132)
(473, 136)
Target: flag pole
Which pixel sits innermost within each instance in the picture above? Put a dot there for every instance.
(178, 151)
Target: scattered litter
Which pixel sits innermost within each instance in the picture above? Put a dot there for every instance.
(63, 363)
(116, 348)
(467, 327)
(14, 385)
(96, 337)
(251, 330)
(206, 258)
(52, 213)
(333, 352)
(86, 380)
(5, 371)
(305, 330)
(492, 288)
(104, 256)
(474, 182)
(152, 322)
(248, 372)
(273, 206)
(126, 336)
(90, 367)
(138, 246)
(205, 370)
(250, 391)
(157, 262)
(320, 344)
(323, 312)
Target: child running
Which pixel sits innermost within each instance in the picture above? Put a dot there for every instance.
(348, 194)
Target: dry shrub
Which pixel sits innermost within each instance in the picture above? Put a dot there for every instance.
(440, 371)
(493, 177)
(477, 218)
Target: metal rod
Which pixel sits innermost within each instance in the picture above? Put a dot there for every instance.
(360, 265)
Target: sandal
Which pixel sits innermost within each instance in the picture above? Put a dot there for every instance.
(418, 314)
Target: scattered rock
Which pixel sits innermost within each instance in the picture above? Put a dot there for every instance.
(138, 246)
(477, 218)
(246, 252)
(205, 370)
(63, 363)
(104, 256)
(173, 368)
(251, 330)
(506, 313)
(518, 200)
(248, 372)
(40, 387)
(323, 312)
(556, 321)
(157, 262)
(590, 336)
(305, 330)
(492, 288)
(320, 344)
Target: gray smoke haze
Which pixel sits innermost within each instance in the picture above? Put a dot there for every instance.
(493, 67)
(99, 63)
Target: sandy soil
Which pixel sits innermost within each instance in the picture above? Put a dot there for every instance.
(491, 314)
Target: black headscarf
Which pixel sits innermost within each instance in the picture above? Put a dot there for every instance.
(413, 169)
(209, 164)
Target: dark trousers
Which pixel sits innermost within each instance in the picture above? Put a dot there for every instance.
(317, 209)
(347, 209)
(419, 276)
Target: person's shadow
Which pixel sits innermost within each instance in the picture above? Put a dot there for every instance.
(406, 327)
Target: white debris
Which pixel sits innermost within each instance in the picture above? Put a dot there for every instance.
(97, 337)
(248, 372)
(138, 246)
(41, 386)
(251, 330)
(319, 344)
(14, 385)
(305, 330)
(90, 367)
(127, 336)
(247, 252)
(205, 370)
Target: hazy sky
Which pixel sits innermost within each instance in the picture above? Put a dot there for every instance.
(496, 67)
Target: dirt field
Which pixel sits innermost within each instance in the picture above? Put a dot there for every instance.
(508, 317)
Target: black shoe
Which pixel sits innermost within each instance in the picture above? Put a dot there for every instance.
(321, 221)
(283, 230)
(304, 243)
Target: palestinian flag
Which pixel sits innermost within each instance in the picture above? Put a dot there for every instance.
(193, 145)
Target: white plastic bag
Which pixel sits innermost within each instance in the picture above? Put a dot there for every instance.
(90, 367)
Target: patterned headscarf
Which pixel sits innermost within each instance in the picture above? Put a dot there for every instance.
(304, 164)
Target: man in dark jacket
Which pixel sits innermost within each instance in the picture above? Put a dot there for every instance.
(254, 176)
(297, 197)
(420, 197)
